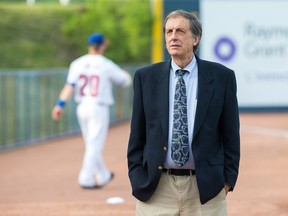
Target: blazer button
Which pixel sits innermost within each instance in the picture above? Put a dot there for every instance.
(160, 167)
(165, 148)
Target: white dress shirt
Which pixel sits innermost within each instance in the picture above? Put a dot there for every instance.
(191, 82)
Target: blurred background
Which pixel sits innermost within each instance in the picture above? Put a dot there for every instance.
(39, 39)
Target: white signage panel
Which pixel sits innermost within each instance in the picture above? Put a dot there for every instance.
(250, 37)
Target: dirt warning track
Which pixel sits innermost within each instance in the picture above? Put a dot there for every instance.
(41, 179)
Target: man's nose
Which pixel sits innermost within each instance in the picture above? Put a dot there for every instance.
(174, 35)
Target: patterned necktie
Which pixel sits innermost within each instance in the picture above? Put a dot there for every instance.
(180, 143)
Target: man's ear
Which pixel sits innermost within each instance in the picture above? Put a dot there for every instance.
(197, 40)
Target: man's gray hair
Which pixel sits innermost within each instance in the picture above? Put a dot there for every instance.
(195, 25)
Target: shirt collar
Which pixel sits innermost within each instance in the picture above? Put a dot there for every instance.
(190, 67)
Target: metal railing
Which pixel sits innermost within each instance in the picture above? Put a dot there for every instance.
(27, 98)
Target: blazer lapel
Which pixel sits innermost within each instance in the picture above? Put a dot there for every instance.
(161, 85)
(205, 92)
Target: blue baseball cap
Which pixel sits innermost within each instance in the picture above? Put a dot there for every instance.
(96, 39)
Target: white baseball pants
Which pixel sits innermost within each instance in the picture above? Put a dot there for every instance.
(94, 123)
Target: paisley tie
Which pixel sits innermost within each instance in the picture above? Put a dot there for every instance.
(180, 143)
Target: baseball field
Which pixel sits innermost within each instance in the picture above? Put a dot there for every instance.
(41, 179)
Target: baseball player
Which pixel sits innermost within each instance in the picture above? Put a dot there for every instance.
(90, 78)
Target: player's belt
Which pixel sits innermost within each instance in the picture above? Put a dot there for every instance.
(179, 172)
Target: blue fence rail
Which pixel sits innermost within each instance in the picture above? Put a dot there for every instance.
(27, 98)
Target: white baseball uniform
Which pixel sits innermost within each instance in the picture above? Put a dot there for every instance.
(93, 77)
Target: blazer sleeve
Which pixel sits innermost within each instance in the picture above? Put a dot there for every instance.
(137, 138)
(230, 131)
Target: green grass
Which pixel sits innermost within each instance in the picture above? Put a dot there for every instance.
(50, 35)
(32, 37)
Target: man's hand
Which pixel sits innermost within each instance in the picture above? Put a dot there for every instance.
(57, 113)
(227, 188)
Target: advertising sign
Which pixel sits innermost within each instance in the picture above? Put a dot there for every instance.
(250, 37)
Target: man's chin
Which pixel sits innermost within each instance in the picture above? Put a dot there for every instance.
(174, 52)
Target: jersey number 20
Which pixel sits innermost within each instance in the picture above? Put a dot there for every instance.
(92, 82)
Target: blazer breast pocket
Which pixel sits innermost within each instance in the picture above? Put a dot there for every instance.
(215, 109)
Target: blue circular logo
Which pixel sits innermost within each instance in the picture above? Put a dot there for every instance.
(225, 49)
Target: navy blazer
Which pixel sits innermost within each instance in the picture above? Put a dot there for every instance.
(216, 139)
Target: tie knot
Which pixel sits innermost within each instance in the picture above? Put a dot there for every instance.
(180, 72)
